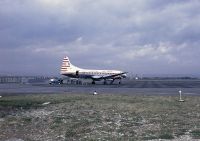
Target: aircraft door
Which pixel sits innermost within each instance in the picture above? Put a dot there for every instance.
(77, 73)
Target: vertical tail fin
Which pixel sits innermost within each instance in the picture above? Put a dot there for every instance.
(65, 65)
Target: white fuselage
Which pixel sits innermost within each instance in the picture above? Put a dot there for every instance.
(88, 73)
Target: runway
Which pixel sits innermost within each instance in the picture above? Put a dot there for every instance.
(141, 87)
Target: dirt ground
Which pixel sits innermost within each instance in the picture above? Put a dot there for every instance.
(51, 117)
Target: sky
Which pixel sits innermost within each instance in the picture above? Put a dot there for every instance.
(138, 36)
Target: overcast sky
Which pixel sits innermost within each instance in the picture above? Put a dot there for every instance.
(138, 36)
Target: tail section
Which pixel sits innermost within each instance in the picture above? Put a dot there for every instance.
(67, 67)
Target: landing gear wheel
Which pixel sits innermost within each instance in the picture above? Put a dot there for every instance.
(93, 82)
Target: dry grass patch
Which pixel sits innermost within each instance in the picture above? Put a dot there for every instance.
(99, 117)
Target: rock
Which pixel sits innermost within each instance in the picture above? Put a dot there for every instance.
(46, 103)
(95, 93)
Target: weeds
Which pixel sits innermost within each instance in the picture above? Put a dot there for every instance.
(105, 117)
(196, 133)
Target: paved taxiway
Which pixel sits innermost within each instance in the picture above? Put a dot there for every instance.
(141, 87)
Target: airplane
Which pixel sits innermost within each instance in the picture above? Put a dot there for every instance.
(72, 71)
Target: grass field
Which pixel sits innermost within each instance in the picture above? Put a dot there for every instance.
(99, 117)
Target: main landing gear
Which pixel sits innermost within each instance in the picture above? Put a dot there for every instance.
(105, 82)
(120, 81)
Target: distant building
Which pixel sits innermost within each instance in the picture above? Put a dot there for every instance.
(23, 79)
(10, 79)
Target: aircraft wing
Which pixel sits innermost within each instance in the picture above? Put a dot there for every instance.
(109, 76)
(114, 75)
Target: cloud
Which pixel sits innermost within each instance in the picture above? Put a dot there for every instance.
(138, 35)
(151, 51)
